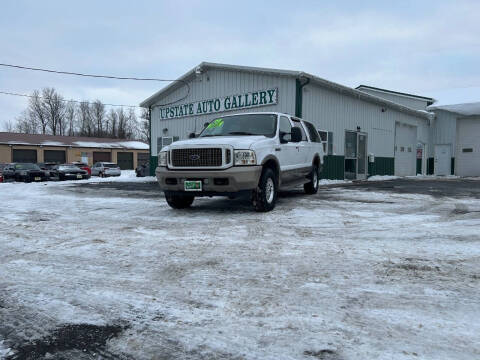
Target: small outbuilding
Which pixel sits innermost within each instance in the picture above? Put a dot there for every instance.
(34, 148)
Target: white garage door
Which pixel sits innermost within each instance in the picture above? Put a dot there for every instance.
(405, 149)
(467, 158)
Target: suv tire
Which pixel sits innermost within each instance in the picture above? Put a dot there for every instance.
(312, 186)
(179, 201)
(265, 195)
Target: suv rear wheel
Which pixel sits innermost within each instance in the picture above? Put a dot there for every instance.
(179, 201)
(265, 196)
(312, 186)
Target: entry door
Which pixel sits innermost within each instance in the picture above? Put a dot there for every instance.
(362, 156)
(355, 155)
(405, 150)
(443, 156)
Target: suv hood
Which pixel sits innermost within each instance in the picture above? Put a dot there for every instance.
(238, 142)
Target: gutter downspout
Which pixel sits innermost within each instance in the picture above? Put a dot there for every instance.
(299, 84)
(152, 168)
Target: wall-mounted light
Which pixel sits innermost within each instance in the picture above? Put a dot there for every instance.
(383, 110)
(358, 128)
(165, 130)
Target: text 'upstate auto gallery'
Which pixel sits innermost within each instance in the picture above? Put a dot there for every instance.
(363, 134)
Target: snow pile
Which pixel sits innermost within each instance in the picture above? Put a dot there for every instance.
(382, 178)
(4, 351)
(332, 182)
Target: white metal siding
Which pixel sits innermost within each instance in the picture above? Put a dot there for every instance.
(468, 137)
(443, 130)
(332, 111)
(405, 149)
(217, 83)
(410, 102)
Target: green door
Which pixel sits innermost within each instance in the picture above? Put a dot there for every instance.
(125, 160)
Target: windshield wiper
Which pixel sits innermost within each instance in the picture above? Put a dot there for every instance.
(240, 133)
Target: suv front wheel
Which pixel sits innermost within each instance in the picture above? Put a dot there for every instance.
(265, 195)
(179, 201)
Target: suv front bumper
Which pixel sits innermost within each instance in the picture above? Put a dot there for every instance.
(229, 180)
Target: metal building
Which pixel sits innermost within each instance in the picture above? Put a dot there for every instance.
(453, 146)
(362, 134)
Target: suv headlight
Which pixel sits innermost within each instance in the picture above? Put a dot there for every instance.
(245, 157)
(162, 158)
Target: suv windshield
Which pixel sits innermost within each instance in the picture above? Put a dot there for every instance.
(251, 124)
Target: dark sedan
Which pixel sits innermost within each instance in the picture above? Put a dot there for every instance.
(69, 172)
(26, 172)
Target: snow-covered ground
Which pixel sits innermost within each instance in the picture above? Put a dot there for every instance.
(344, 274)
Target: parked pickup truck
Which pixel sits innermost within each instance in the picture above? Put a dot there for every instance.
(258, 153)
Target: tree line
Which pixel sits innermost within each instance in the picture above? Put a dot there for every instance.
(49, 113)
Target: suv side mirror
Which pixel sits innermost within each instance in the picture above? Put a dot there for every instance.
(191, 135)
(296, 134)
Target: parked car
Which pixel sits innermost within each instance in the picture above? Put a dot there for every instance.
(47, 168)
(2, 166)
(254, 153)
(143, 170)
(104, 169)
(26, 172)
(69, 172)
(83, 166)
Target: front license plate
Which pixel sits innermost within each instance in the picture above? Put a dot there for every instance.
(192, 185)
(37, 178)
(79, 176)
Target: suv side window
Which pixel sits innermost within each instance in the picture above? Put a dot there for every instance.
(312, 132)
(285, 129)
(298, 124)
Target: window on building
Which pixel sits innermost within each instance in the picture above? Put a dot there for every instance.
(466, 150)
(326, 138)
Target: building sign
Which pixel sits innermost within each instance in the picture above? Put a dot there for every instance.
(227, 103)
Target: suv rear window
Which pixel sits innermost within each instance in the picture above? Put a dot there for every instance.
(312, 132)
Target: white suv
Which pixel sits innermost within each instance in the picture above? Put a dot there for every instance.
(257, 153)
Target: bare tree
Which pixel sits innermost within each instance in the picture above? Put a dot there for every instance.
(112, 121)
(9, 126)
(144, 126)
(53, 107)
(85, 119)
(26, 123)
(98, 117)
(70, 112)
(36, 111)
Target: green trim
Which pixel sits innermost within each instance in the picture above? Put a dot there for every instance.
(382, 166)
(430, 166)
(452, 169)
(333, 167)
(299, 96)
(419, 166)
(153, 164)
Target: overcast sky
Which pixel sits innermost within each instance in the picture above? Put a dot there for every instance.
(424, 47)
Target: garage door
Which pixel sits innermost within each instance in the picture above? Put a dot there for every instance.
(99, 156)
(56, 156)
(24, 156)
(467, 154)
(405, 149)
(125, 160)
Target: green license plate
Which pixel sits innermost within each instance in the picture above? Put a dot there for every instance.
(192, 185)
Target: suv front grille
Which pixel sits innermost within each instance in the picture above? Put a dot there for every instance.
(197, 157)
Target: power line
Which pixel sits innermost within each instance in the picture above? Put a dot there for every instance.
(104, 77)
(65, 100)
